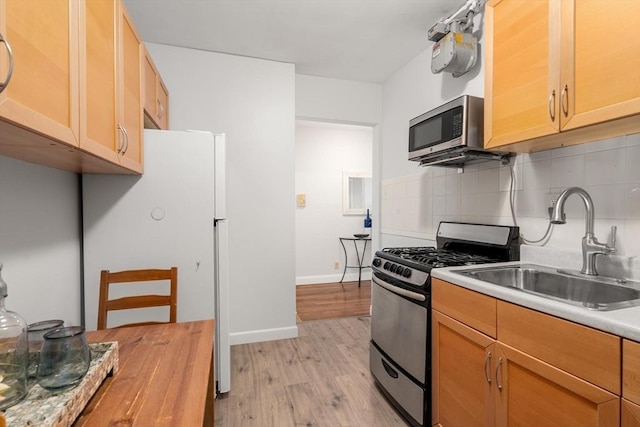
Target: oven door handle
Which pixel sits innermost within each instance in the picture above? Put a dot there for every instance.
(396, 290)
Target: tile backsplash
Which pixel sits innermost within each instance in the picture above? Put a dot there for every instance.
(609, 170)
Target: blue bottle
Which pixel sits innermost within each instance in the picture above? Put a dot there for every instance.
(367, 224)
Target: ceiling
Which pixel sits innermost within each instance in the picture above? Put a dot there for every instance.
(363, 40)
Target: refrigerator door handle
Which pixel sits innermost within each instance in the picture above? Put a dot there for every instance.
(217, 220)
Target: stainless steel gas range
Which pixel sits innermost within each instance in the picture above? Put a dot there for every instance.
(400, 352)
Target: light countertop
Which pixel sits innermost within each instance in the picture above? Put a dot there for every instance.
(624, 322)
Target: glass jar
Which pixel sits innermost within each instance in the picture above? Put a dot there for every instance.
(64, 358)
(14, 353)
(35, 333)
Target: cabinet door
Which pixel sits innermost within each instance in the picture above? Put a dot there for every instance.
(156, 96)
(461, 360)
(631, 371)
(533, 393)
(163, 104)
(630, 414)
(150, 104)
(130, 113)
(522, 70)
(601, 61)
(98, 114)
(42, 94)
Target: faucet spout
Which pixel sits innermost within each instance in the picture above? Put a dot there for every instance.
(590, 245)
(558, 216)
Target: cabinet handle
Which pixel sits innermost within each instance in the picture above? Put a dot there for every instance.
(126, 140)
(120, 139)
(564, 100)
(499, 369)
(4, 84)
(552, 103)
(487, 361)
(160, 110)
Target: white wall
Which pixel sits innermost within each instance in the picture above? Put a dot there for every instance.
(340, 101)
(345, 101)
(253, 102)
(323, 153)
(40, 241)
(415, 200)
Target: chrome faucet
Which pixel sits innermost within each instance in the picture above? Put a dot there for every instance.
(590, 245)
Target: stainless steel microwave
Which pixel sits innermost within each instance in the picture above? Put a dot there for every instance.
(452, 131)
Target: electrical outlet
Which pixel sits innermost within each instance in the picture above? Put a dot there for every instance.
(336, 265)
(551, 200)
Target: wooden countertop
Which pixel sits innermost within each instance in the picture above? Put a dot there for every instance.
(165, 377)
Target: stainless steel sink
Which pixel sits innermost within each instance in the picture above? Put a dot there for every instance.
(592, 292)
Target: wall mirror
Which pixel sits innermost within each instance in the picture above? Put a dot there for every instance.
(356, 193)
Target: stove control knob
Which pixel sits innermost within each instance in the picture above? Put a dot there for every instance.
(386, 265)
(407, 273)
(399, 270)
(377, 262)
(393, 268)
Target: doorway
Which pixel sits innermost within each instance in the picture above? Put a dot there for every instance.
(324, 154)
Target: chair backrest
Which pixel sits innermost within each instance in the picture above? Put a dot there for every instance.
(139, 301)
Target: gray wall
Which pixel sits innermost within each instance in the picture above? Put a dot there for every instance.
(40, 241)
(253, 102)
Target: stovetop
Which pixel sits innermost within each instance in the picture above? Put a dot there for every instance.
(433, 258)
(458, 244)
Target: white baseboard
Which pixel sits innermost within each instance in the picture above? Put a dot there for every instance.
(332, 278)
(263, 335)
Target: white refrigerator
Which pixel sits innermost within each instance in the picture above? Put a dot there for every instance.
(172, 215)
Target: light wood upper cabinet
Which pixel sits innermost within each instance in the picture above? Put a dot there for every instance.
(76, 82)
(555, 66)
(111, 84)
(531, 375)
(98, 79)
(130, 92)
(156, 96)
(601, 61)
(42, 94)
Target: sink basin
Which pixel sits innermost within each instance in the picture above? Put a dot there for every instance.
(596, 293)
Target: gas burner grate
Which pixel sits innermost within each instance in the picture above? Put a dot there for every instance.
(403, 252)
(434, 258)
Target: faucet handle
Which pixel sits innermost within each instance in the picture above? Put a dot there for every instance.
(612, 238)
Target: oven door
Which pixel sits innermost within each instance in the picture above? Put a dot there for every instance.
(400, 325)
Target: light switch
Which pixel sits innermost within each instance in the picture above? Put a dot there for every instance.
(301, 200)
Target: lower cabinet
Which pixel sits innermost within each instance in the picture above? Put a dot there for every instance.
(630, 384)
(530, 392)
(461, 374)
(480, 381)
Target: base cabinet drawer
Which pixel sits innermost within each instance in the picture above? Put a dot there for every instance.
(582, 351)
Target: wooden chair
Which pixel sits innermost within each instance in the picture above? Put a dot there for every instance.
(139, 301)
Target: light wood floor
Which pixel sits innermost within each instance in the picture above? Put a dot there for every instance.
(319, 379)
(331, 300)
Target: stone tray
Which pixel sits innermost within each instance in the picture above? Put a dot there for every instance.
(43, 408)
